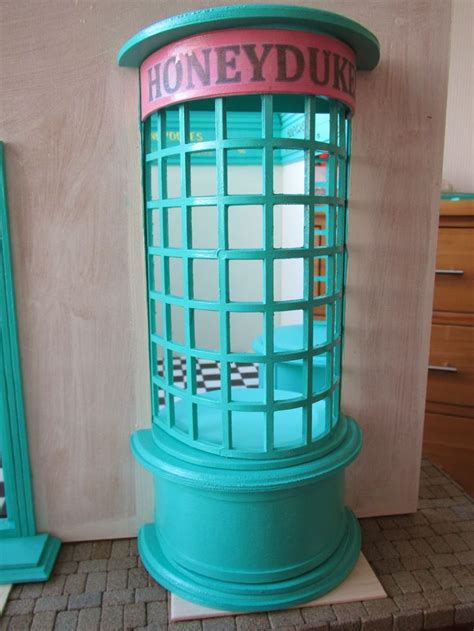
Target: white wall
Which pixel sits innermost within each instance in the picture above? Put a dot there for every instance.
(245, 228)
(73, 170)
(245, 231)
(458, 161)
(292, 234)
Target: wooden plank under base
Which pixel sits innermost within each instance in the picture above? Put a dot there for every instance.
(4, 592)
(361, 584)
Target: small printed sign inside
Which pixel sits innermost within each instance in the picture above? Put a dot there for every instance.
(247, 61)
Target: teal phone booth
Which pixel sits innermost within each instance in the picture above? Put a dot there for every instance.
(249, 481)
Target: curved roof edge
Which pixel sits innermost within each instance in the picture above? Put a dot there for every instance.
(364, 43)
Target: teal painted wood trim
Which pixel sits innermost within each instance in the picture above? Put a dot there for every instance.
(161, 453)
(27, 559)
(363, 42)
(263, 569)
(246, 124)
(246, 597)
(13, 442)
(456, 197)
(18, 537)
(202, 129)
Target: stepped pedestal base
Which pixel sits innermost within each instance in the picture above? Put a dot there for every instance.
(248, 535)
(27, 559)
(240, 597)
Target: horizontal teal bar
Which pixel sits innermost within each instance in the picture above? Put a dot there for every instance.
(277, 306)
(239, 254)
(256, 199)
(236, 406)
(268, 358)
(455, 197)
(297, 144)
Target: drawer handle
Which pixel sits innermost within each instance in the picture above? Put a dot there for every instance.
(443, 368)
(451, 272)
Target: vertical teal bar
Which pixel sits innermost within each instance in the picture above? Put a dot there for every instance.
(342, 145)
(13, 437)
(332, 216)
(268, 262)
(188, 285)
(165, 278)
(150, 271)
(347, 146)
(308, 283)
(221, 158)
(340, 191)
(24, 555)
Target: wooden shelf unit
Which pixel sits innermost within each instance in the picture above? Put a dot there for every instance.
(449, 419)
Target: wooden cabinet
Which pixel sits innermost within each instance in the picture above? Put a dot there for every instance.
(449, 419)
(451, 368)
(454, 285)
(319, 286)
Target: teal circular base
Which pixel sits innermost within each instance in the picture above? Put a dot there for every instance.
(246, 597)
(244, 539)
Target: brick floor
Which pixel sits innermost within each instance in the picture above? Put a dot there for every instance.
(425, 562)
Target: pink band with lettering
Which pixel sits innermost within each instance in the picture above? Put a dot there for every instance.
(247, 61)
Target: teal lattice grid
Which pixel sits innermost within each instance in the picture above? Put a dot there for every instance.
(261, 422)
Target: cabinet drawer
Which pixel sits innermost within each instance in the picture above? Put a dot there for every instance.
(454, 282)
(451, 374)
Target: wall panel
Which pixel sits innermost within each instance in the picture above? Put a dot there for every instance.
(69, 118)
(458, 162)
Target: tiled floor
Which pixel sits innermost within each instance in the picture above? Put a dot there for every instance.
(425, 562)
(208, 375)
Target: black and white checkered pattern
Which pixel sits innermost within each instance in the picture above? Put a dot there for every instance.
(208, 375)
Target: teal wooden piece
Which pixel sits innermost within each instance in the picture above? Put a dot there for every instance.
(248, 483)
(270, 439)
(202, 128)
(188, 403)
(284, 533)
(24, 555)
(362, 41)
(455, 196)
(289, 375)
